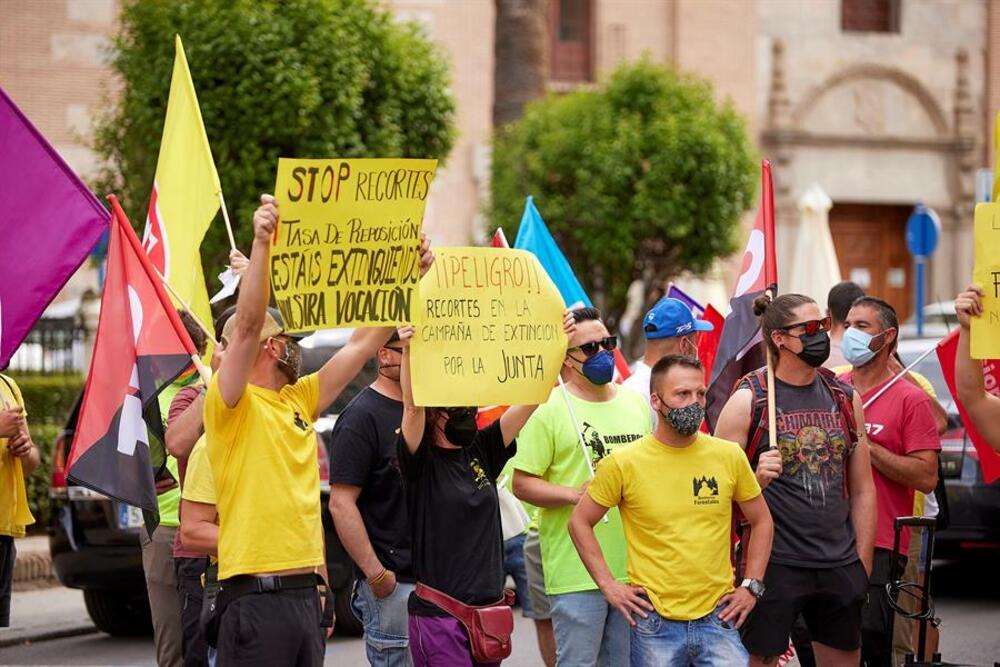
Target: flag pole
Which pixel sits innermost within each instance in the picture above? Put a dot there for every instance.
(771, 277)
(896, 379)
(772, 430)
(204, 371)
(225, 217)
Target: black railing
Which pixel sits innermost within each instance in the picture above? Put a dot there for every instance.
(53, 346)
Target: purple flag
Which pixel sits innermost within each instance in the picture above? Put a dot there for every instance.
(675, 292)
(51, 221)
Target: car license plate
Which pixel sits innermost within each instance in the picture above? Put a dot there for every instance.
(128, 516)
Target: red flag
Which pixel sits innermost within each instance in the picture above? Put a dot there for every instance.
(499, 240)
(767, 212)
(141, 347)
(947, 350)
(708, 341)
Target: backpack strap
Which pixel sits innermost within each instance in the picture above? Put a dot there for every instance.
(757, 380)
(845, 405)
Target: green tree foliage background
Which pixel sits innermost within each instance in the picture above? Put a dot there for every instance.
(642, 177)
(274, 78)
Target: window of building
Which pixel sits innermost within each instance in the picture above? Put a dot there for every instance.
(570, 29)
(869, 15)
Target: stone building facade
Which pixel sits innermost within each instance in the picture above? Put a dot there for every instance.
(882, 103)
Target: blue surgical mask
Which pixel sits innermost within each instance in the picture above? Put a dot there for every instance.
(856, 346)
(600, 368)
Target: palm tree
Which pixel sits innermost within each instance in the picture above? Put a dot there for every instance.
(521, 51)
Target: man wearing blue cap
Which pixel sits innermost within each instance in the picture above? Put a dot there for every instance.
(670, 328)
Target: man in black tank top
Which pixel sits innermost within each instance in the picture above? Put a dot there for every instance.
(818, 486)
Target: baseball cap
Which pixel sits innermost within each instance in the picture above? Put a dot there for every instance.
(273, 326)
(670, 318)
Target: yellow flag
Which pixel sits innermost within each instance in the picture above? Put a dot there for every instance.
(185, 194)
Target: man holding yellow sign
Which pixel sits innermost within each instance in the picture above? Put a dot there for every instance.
(347, 250)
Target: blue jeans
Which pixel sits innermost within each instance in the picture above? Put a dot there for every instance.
(705, 642)
(588, 631)
(385, 622)
(513, 564)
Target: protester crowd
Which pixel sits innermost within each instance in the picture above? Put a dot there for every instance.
(643, 538)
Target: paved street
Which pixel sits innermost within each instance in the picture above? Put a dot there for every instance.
(970, 610)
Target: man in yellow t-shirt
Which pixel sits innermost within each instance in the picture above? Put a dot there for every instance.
(18, 458)
(674, 489)
(262, 449)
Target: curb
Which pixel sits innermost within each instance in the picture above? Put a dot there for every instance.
(48, 635)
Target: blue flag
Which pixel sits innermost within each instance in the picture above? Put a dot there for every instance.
(534, 237)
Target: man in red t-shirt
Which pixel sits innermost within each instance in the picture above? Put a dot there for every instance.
(904, 450)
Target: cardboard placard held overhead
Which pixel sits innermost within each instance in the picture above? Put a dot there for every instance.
(347, 249)
(986, 272)
(488, 330)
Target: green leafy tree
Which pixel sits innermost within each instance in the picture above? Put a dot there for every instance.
(275, 78)
(641, 178)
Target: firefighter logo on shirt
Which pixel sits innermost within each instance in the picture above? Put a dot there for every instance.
(706, 490)
(300, 422)
(481, 480)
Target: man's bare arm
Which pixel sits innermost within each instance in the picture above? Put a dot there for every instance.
(199, 531)
(251, 307)
(351, 528)
(917, 470)
(183, 432)
(541, 493)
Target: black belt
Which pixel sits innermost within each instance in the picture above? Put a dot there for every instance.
(239, 586)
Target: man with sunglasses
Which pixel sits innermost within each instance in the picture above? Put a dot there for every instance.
(670, 329)
(817, 484)
(551, 471)
(368, 506)
(904, 452)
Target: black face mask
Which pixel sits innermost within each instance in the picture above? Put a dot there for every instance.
(815, 348)
(461, 429)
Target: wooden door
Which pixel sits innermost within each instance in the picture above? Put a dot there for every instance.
(871, 249)
(570, 37)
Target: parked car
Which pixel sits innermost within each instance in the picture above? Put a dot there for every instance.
(974, 505)
(94, 542)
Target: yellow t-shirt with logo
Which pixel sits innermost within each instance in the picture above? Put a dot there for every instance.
(676, 509)
(14, 511)
(199, 484)
(263, 458)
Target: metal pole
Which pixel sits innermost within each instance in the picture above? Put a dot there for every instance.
(921, 265)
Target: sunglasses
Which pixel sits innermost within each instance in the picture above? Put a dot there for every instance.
(811, 327)
(397, 350)
(460, 413)
(591, 348)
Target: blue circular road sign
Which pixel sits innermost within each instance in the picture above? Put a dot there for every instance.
(923, 231)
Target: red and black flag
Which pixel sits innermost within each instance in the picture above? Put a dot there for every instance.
(741, 348)
(141, 347)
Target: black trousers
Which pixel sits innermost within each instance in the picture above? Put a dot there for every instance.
(267, 629)
(8, 552)
(877, 615)
(191, 592)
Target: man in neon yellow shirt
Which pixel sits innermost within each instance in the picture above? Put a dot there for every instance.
(262, 449)
(18, 458)
(551, 472)
(675, 489)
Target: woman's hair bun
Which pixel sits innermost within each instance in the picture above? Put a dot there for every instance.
(760, 304)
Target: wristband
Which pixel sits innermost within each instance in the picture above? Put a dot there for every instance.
(382, 575)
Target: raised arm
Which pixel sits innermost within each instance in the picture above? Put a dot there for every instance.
(983, 408)
(342, 367)
(414, 417)
(862, 490)
(251, 306)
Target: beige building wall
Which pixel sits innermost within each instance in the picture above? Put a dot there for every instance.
(465, 31)
(992, 72)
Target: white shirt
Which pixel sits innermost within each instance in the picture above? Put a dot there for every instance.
(639, 382)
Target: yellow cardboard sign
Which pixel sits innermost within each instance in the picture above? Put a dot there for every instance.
(986, 272)
(347, 249)
(488, 330)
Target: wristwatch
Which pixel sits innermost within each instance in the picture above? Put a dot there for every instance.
(755, 586)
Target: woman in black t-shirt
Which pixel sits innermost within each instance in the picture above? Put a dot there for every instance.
(449, 469)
